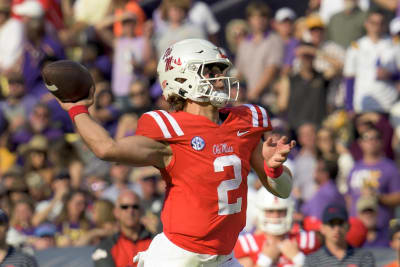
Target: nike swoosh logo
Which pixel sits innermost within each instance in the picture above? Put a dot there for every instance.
(239, 133)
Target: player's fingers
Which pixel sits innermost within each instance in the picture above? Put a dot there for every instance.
(284, 151)
(269, 141)
(279, 158)
(292, 144)
(283, 140)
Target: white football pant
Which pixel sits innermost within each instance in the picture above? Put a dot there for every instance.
(164, 253)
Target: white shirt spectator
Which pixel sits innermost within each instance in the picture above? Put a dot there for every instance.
(11, 43)
(91, 12)
(44, 204)
(361, 63)
(172, 35)
(201, 15)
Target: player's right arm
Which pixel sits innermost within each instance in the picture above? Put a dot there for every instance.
(135, 150)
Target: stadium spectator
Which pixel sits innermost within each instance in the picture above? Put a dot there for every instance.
(133, 59)
(88, 13)
(284, 27)
(38, 189)
(235, 32)
(367, 212)
(103, 223)
(18, 105)
(328, 56)
(119, 249)
(260, 55)
(11, 39)
(200, 14)
(119, 177)
(123, 6)
(39, 123)
(364, 91)
(44, 237)
(105, 111)
(64, 157)
(35, 157)
(17, 190)
(72, 223)
(41, 45)
(274, 242)
(336, 251)
(362, 123)
(307, 82)
(305, 163)
(326, 148)
(374, 175)
(21, 227)
(348, 25)
(178, 27)
(50, 209)
(327, 193)
(151, 201)
(394, 241)
(9, 255)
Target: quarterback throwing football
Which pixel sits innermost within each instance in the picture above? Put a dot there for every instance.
(204, 152)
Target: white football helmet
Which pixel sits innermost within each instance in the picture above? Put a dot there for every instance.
(267, 201)
(181, 67)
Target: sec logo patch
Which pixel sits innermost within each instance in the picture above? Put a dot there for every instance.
(198, 143)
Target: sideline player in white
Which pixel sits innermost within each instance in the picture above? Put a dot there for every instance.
(275, 242)
(204, 153)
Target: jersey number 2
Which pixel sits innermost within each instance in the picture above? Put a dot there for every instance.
(224, 208)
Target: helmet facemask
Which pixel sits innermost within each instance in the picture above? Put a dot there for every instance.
(216, 72)
(275, 226)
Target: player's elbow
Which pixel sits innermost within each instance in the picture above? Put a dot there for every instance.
(104, 152)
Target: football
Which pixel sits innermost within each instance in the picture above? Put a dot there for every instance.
(68, 80)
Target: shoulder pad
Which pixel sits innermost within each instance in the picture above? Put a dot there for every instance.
(259, 116)
(159, 125)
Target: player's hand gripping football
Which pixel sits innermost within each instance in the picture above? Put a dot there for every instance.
(275, 152)
(85, 102)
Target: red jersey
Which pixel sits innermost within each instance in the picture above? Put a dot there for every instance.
(206, 197)
(250, 245)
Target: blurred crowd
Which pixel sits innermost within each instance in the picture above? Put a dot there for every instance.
(329, 79)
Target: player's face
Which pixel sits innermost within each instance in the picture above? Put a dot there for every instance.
(275, 214)
(214, 71)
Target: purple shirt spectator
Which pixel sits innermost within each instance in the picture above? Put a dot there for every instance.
(34, 57)
(383, 177)
(325, 195)
(381, 240)
(289, 53)
(24, 108)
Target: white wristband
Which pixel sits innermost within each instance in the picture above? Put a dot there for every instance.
(299, 259)
(263, 260)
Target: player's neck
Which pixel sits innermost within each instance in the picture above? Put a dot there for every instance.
(203, 109)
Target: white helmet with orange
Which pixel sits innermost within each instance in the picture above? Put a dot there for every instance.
(181, 72)
(267, 201)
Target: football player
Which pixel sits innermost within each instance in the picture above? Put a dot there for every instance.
(204, 152)
(275, 241)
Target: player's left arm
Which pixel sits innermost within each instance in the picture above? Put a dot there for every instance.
(268, 157)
